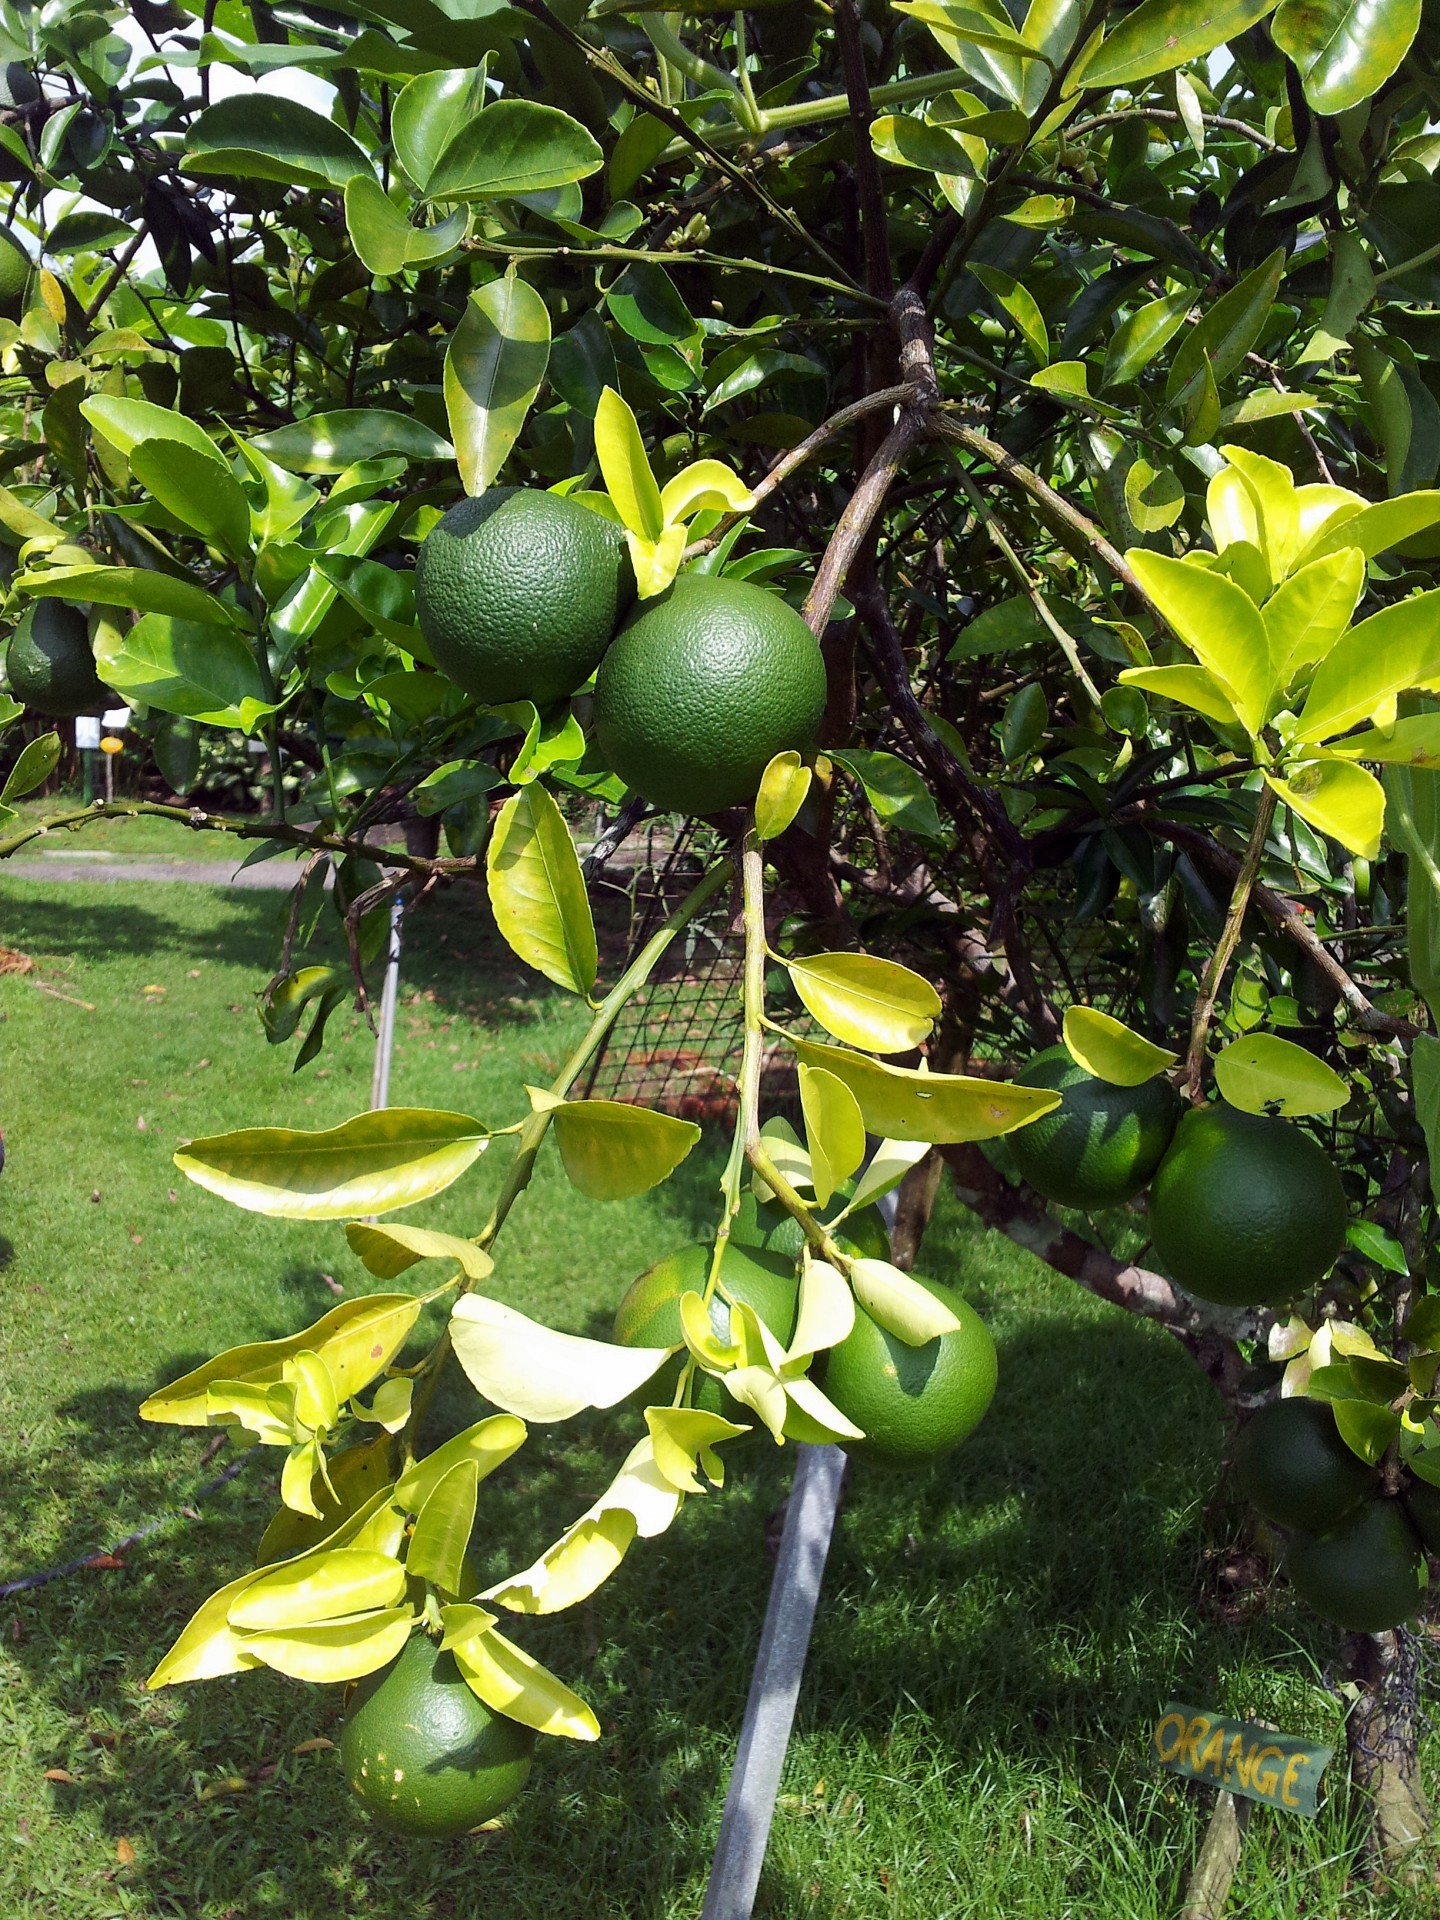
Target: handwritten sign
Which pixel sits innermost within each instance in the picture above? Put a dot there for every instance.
(1246, 1759)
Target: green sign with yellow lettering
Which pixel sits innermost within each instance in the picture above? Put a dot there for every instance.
(1235, 1754)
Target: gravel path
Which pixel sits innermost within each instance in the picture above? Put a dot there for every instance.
(49, 868)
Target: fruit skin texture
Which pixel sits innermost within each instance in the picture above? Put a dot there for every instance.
(1245, 1208)
(1102, 1143)
(423, 1753)
(50, 666)
(518, 592)
(15, 265)
(1364, 1575)
(1422, 1504)
(702, 689)
(1293, 1467)
(914, 1403)
(766, 1224)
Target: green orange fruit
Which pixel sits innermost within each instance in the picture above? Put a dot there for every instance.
(15, 270)
(49, 665)
(913, 1404)
(1293, 1467)
(425, 1755)
(518, 592)
(701, 690)
(1422, 1504)
(1101, 1145)
(1365, 1574)
(1244, 1208)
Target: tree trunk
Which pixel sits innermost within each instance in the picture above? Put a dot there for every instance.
(914, 1204)
(1382, 1733)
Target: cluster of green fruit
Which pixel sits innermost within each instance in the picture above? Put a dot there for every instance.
(1245, 1209)
(913, 1404)
(522, 595)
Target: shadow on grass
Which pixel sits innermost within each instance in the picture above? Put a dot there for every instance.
(1010, 1595)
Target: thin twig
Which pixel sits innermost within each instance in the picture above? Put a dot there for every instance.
(1225, 946)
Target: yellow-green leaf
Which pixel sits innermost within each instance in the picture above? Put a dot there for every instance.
(901, 1305)
(537, 890)
(1194, 687)
(833, 1128)
(865, 1001)
(1306, 616)
(208, 1647)
(485, 1446)
(1413, 741)
(335, 1649)
(655, 563)
(827, 1310)
(705, 486)
(682, 1435)
(510, 1682)
(1219, 623)
(1369, 665)
(783, 787)
(613, 1151)
(374, 1163)
(1262, 1073)
(1338, 798)
(320, 1586)
(533, 1371)
(358, 1340)
(629, 479)
(1108, 1049)
(580, 1562)
(905, 1104)
(390, 1250)
(443, 1527)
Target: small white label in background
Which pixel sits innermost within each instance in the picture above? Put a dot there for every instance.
(117, 719)
(87, 732)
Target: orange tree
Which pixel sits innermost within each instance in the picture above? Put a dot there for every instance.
(986, 459)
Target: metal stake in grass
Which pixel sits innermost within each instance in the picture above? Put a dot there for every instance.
(389, 996)
(775, 1684)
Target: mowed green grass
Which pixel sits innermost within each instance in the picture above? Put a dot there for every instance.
(995, 1636)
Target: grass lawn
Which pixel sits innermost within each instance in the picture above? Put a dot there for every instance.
(995, 1637)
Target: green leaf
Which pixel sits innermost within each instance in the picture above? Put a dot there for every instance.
(1414, 817)
(443, 1527)
(1041, 210)
(644, 302)
(514, 147)
(390, 1250)
(900, 1305)
(834, 1131)
(38, 760)
(541, 1375)
(392, 1157)
(1425, 1074)
(1366, 1429)
(208, 1646)
(510, 1682)
(1369, 1238)
(1160, 35)
(1264, 1074)
(906, 141)
(1337, 798)
(1374, 530)
(1154, 496)
(143, 589)
(896, 791)
(1307, 615)
(429, 113)
(384, 238)
(865, 1001)
(320, 1586)
(494, 364)
(262, 136)
(613, 1151)
(128, 424)
(1393, 650)
(357, 1340)
(203, 672)
(199, 493)
(336, 1649)
(889, 1164)
(331, 442)
(92, 232)
(626, 468)
(1194, 687)
(1229, 329)
(537, 891)
(1015, 299)
(1345, 49)
(1111, 1051)
(1219, 623)
(579, 1562)
(783, 787)
(904, 1104)
(485, 1446)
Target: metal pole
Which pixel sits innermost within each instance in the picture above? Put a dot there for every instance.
(389, 996)
(775, 1684)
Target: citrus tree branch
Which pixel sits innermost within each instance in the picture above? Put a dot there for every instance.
(1225, 946)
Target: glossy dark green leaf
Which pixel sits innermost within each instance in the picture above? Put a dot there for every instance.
(331, 442)
(429, 113)
(494, 364)
(182, 666)
(88, 233)
(385, 239)
(1160, 35)
(1136, 341)
(514, 147)
(38, 760)
(1226, 331)
(262, 136)
(196, 490)
(144, 589)
(1345, 49)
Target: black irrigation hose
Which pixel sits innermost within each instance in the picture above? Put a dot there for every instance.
(30, 1581)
